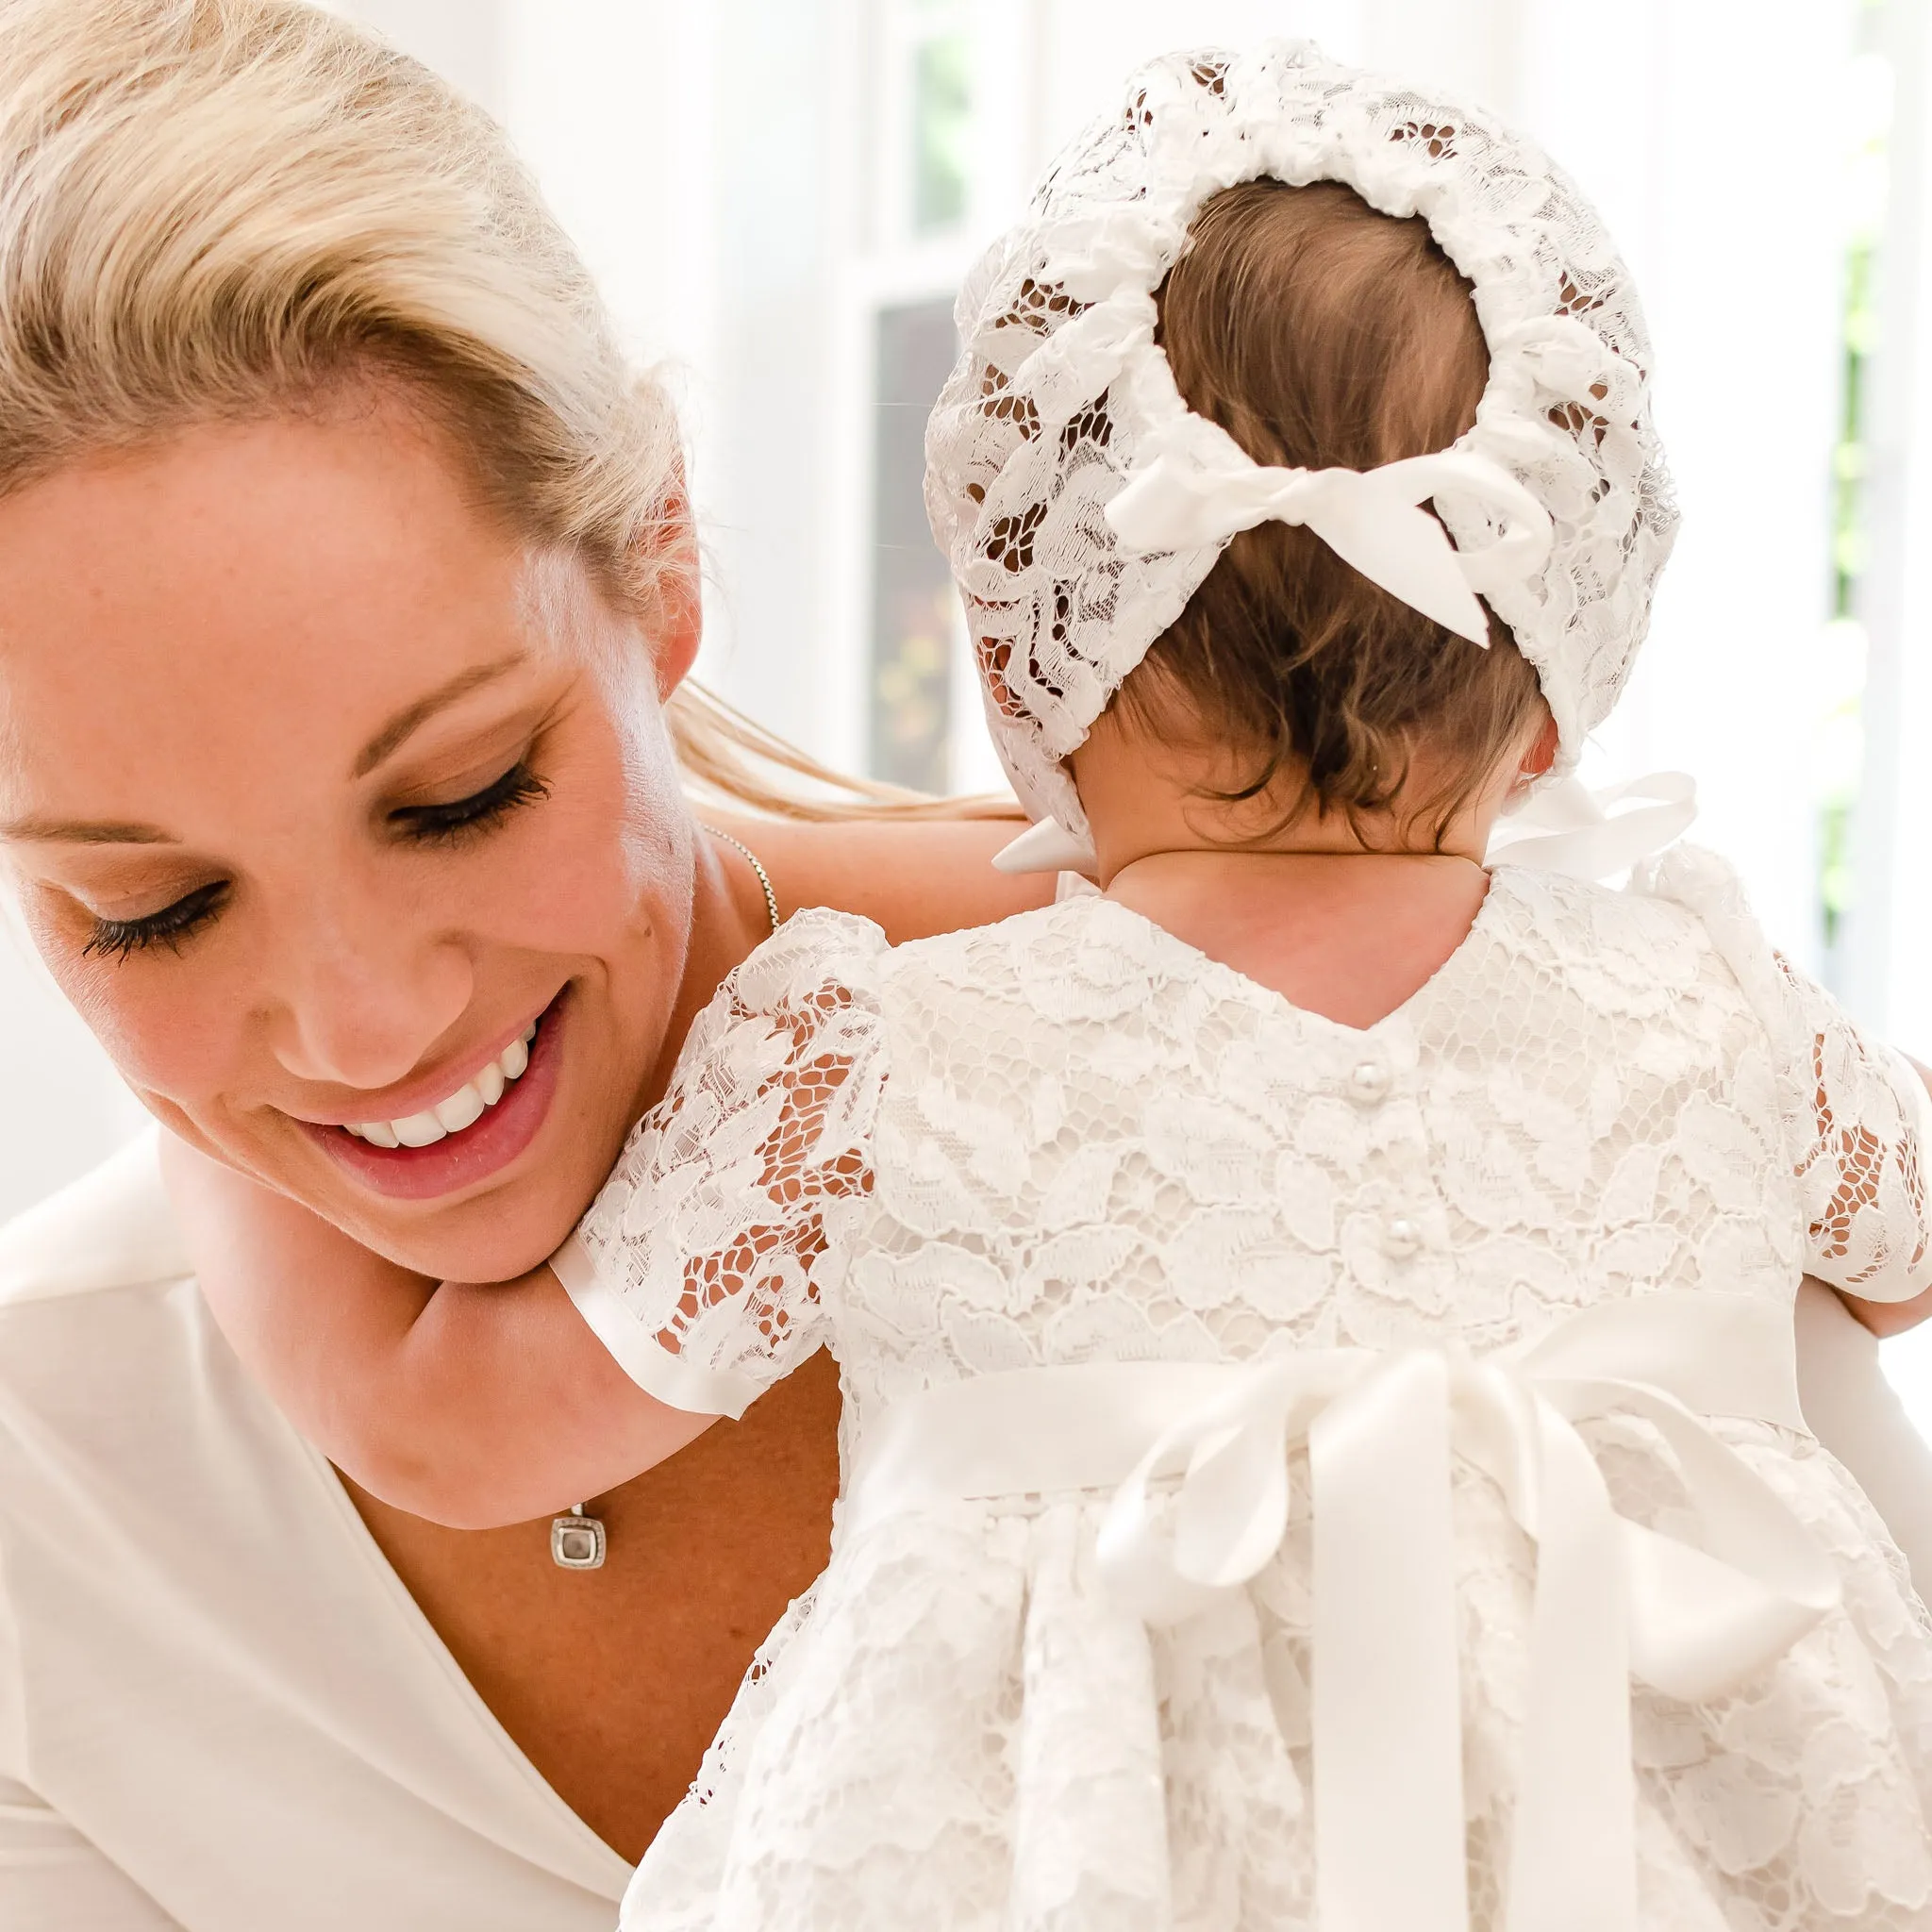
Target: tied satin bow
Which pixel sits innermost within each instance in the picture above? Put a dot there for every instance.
(1612, 1596)
(1200, 491)
(1591, 834)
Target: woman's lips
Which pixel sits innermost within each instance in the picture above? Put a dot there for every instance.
(422, 1174)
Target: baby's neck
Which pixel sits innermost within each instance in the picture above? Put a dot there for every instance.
(1346, 934)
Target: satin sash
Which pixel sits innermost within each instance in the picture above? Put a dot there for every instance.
(1613, 1597)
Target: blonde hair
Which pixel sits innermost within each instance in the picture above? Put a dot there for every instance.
(214, 209)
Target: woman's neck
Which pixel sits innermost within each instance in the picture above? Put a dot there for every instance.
(728, 917)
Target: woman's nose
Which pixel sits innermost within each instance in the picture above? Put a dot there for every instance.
(365, 1009)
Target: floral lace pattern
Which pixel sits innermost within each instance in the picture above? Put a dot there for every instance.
(1061, 384)
(734, 1185)
(1071, 1138)
(1856, 1117)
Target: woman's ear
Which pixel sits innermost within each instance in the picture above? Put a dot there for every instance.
(678, 625)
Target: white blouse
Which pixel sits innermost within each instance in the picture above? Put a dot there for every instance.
(220, 1711)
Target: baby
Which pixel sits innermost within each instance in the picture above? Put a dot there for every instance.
(1315, 1315)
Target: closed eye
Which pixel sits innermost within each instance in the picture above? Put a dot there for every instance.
(116, 939)
(460, 818)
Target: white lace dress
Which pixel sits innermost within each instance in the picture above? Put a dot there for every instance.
(1072, 1139)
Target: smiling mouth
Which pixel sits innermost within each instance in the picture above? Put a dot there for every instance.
(471, 1135)
(455, 1113)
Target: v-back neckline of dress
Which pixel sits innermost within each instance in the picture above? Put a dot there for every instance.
(1205, 966)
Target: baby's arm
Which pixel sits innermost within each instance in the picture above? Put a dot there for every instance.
(470, 1403)
(1893, 1318)
(1861, 1119)
(693, 1282)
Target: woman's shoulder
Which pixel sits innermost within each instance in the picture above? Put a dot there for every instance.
(108, 1353)
(913, 877)
(110, 1229)
(197, 1635)
(114, 1381)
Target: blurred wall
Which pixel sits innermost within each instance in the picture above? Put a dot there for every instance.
(66, 1107)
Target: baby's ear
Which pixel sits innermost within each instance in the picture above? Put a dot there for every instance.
(1542, 754)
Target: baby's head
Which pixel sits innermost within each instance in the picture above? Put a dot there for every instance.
(1266, 267)
(1321, 335)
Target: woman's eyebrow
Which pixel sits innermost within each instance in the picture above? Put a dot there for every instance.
(390, 740)
(386, 742)
(85, 832)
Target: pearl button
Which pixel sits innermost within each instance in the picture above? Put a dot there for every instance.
(1369, 1083)
(1401, 1238)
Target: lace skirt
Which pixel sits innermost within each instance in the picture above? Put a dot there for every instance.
(959, 1727)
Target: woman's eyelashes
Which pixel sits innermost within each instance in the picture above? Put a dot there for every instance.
(480, 811)
(443, 823)
(116, 939)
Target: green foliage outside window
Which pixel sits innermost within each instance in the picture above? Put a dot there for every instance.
(942, 131)
(1851, 543)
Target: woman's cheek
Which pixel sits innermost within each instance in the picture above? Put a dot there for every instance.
(174, 1024)
(568, 890)
(610, 862)
(171, 1036)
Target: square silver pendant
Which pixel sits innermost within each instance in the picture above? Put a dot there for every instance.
(576, 1543)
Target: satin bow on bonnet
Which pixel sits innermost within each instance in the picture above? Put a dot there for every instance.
(1081, 503)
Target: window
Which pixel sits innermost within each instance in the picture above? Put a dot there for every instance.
(925, 186)
(941, 128)
(914, 610)
(1869, 85)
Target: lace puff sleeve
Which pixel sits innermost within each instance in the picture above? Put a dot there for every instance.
(1856, 1114)
(704, 1263)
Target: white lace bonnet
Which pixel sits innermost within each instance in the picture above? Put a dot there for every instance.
(1081, 503)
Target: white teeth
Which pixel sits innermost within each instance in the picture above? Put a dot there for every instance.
(462, 1108)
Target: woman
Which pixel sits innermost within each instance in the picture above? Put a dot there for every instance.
(346, 590)
(357, 767)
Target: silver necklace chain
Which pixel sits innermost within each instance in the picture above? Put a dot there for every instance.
(577, 1541)
(751, 859)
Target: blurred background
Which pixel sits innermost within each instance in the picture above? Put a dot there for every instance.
(781, 196)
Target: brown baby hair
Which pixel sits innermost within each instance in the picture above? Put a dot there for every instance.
(1321, 334)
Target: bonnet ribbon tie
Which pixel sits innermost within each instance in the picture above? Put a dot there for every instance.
(1372, 518)
(1612, 1596)
(1590, 834)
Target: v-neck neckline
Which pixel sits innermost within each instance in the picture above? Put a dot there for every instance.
(429, 1639)
(1205, 966)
